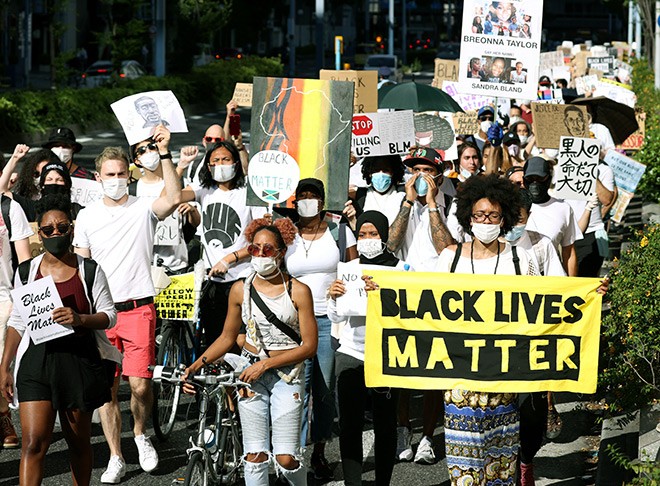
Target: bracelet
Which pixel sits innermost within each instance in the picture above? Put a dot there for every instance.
(168, 155)
(412, 203)
(434, 210)
(235, 256)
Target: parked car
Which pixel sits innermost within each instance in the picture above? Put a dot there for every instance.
(101, 72)
(387, 66)
(227, 53)
(449, 50)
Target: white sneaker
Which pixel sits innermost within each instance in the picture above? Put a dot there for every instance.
(147, 454)
(425, 454)
(404, 450)
(115, 471)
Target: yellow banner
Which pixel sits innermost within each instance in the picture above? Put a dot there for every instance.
(489, 333)
(177, 301)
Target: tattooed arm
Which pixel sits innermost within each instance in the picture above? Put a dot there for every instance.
(400, 224)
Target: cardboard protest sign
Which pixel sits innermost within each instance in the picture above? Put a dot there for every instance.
(85, 192)
(577, 168)
(466, 123)
(243, 94)
(445, 70)
(273, 176)
(605, 64)
(580, 63)
(437, 131)
(141, 113)
(168, 231)
(310, 120)
(493, 333)
(500, 46)
(177, 301)
(384, 133)
(636, 140)
(550, 60)
(36, 247)
(366, 87)
(35, 303)
(552, 121)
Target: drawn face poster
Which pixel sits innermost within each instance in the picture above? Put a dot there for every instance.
(310, 120)
(141, 113)
(500, 48)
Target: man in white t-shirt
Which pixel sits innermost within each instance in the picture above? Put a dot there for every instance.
(118, 232)
(551, 217)
(17, 231)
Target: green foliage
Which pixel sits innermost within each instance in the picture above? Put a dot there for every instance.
(648, 99)
(631, 336)
(648, 472)
(24, 111)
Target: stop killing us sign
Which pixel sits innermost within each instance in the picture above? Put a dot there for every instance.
(387, 133)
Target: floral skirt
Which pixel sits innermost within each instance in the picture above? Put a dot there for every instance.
(481, 437)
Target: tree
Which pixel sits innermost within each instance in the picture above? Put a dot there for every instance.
(647, 13)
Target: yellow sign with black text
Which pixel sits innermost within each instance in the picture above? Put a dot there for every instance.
(177, 301)
(489, 333)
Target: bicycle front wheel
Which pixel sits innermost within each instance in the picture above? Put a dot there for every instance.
(166, 395)
(196, 474)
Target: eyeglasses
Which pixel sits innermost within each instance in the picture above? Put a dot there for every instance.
(266, 250)
(213, 139)
(62, 229)
(481, 217)
(141, 150)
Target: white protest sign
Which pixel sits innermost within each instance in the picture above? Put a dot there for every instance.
(168, 231)
(616, 93)
(85, 192)
(470, 102)
(354, 301)
(627, 172)
(577, 168)
(141, 113)
(383, 133)
(35, 303)
(501, 56)
(586, 84)
(273, 175)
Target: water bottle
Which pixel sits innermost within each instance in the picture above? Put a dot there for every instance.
(209, 439)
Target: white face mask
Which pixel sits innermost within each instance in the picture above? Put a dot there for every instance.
(115, 188)
(523, 139)
(370, 247)
(63, 153)
(466, 173)
(486, 233)
(223, 173)
(150, 160)
(308, 208)
(485, 125)
(265, 266)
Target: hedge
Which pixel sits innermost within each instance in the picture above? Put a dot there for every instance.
(31, 112)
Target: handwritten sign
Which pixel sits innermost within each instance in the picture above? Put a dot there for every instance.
(627, 172)
(84, 191)
(466, 123)
(354, 301)
(273, 175)
(35, 303)
(577, 168)
(553, 121)
(445, 70)
(243, 94)
(36, 247)
(168, 231)
(437, 131)
(586, 84)
(605, 64)
(636, 140)
(365, 96)
(385, 133)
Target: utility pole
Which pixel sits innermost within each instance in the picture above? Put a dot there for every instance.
(390, 22)
(159, 43)
(320, 36)
(656, 51)
(404, 32)
(292, 38)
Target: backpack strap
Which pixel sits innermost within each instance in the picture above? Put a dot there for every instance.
(516, 260)
(5, 206)
(24, 271)
(272, 318)
(457, 256)
(89, 267)
(132, 188)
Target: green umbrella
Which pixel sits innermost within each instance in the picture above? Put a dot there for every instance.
(383, 90)
(418, 98)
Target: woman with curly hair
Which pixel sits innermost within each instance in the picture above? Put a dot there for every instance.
(276, 350)
(225, 215)
(384, 174)
(482, 429)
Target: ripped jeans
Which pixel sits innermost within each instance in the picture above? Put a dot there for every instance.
(278, 405)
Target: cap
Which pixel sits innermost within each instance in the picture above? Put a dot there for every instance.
(315, 185)
(545, 80)
(537, 166)
(486, 109)
(62, 136)
(510, 138)
(426, 155)
(59, 167)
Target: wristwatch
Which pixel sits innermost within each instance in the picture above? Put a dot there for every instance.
(168, 155)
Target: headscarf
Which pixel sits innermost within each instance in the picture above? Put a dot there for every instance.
(379, 220)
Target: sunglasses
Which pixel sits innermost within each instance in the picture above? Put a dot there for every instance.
(266, 250)
(213, 139)
(486, 118)
(62, 228)
(141, 150)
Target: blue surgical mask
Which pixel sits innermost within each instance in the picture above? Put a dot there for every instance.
(466, 173)
(381, 181)
(421, 186)
(516, 233)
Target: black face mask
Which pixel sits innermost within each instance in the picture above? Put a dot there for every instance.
(539, 191)
(57, 189)
(57, 245)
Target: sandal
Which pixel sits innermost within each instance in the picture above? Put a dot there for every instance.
(554, 424)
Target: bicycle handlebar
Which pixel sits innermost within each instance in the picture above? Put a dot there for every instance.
(172, 374)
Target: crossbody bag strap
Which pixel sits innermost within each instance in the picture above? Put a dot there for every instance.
(457, 256)
(516, 260)
(272, 318)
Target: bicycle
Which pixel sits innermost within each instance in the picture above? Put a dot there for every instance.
(179, 342)
(215, 455)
